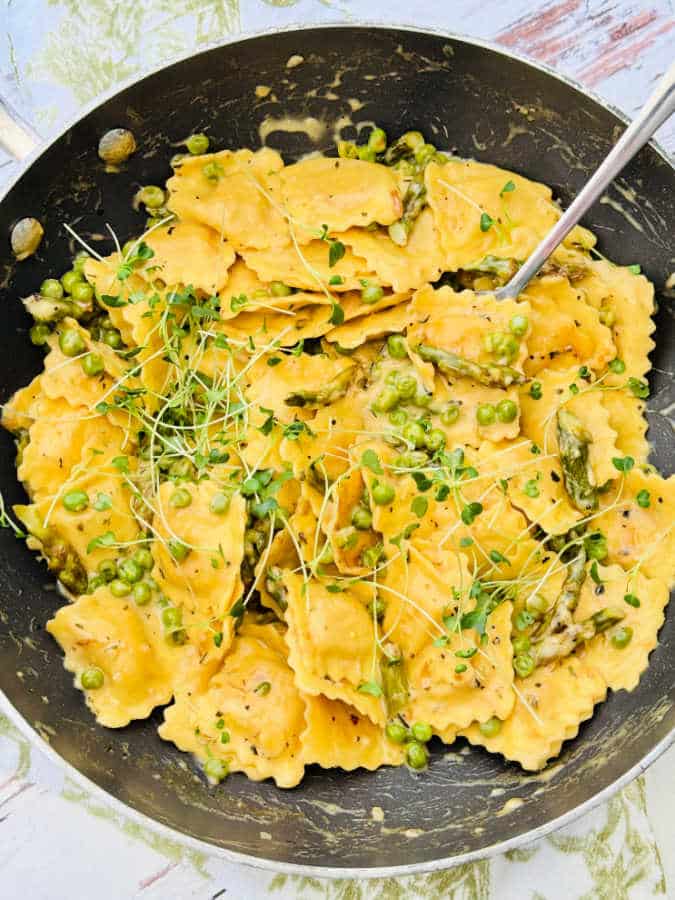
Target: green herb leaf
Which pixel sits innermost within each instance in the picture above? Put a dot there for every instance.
(337, 314)
(238, 302)
(419, 506)
(371, 461)
(121, 463)
(638, 388)
(623, 463)
(595, 575)
(632, 600)
(336, 251)
(370, 687)
(634, 269)
(486, 222)
(102, 502)
(508, 187)
(107, 539)
(643, 499)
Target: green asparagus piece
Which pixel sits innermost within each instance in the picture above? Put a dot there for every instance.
(448, 363)
(560, 645)
(503, 269)
(60, 556)
(414, 201)
(329, 393)
(404, 147)
(573, 443)
(394, 684)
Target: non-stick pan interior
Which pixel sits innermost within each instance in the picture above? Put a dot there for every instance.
(464, 97)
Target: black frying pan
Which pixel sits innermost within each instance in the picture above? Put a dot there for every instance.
(467, 97)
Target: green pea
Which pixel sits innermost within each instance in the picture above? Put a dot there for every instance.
(398, 417)
(519, 325)
(523, 664)
(181, 468)
(141, 593)
(39, 334)
(92, 678)
(391, 376)
(112, 338)
(396, 345)
(643, 499)
(411, 460)
(371, 293)
(450, 414)
(414, 434)
(377, 140)
(422, 732)
(119, 588)
(521, 644)
(416, 755)
(537, 606)
(75, 501)
(197, 144)
(220, 503)
(178, 550)
(92, 364)
(129, 571)
(491, 728)
(507, 410)
(618, 366)
(180, 498)
(422, 398)
(94, 583)
(386, 400)
(143, 557)
(80, 261)
(216, 769)
(396, 732)
(82, 292)
(152, 196)
(279, 289)
(362, 518)
(70, 279)
(622, 637)
(172, 617)
(383, 492)
(607, 316)
(406, 385)
(435, 440)
(523, 620)
(596, 546)
(486, 414)
(107, 569)
(71, 342)
(51, 288)
(366, 154)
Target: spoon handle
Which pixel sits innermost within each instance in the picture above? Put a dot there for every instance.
(654, 113)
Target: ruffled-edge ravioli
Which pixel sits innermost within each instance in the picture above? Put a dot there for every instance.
(622, 667)
(631, 300)
(337, 736)
(308, 267)
(237, 205)
(347, 542)
(637, 535)
(538, 418)
(449, 699)
(550, 706)
(338, 193)
(404, 268)
(253, 701)
(190, 254)
(331, 643)
(627, 418)
(125, 642)
(564, 325)
(370, 327)
(61, 437)
(461, 191)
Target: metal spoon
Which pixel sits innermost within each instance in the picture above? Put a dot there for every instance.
(659, 107)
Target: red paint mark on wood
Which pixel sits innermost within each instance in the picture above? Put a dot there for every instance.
(637, 23)
(536, 26)
(147, 882)
(614, 59)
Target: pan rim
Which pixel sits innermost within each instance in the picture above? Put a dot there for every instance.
(257, 862)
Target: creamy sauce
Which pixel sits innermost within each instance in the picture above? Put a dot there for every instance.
(377, 814)
(295, 60)
(313, 128)
(510, 805)
(262, 91)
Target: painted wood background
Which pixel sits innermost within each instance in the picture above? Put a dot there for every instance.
(56, 839)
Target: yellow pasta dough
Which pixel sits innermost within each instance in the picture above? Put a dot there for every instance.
(301, 475)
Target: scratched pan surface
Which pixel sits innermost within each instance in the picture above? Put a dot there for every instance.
(465, 97)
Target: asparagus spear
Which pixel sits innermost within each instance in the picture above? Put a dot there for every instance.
(449, 363)
(504, 269)
(573, 443)
(60, 556)
(394, 681)
(414, 201)
(329, 393)
(557, 646)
